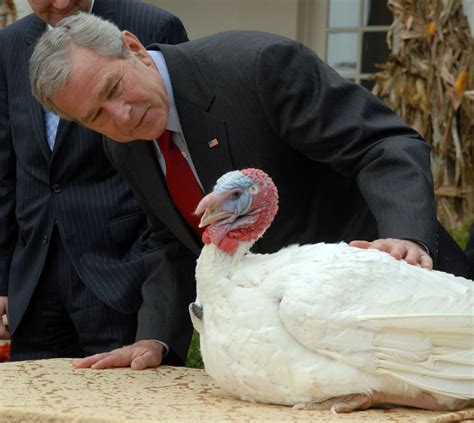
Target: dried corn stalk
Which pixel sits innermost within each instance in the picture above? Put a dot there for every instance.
(429, 82)
(7, 12)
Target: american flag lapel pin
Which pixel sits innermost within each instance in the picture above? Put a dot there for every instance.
(213, 143)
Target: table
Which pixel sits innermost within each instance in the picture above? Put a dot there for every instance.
(52, 391)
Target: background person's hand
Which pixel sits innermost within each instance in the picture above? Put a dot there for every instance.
(3, 314)
(409, 251)
(140, 355)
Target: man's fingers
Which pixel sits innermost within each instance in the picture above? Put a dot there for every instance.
(397, 251)
(382, 245)
(80, 363)
(418, 255)
(113, 359)
(413, 256)
(140, 355)
(426, 261)
(407, 250)
(140, 363)
(360, 244)
(150, 358)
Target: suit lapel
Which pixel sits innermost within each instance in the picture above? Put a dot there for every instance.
(200, 128)
(140, 160)
(63, 128)
(36, 110)
(194, 100)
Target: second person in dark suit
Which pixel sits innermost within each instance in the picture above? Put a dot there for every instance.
(72, 235)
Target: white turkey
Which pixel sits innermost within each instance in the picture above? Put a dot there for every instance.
(324, 325)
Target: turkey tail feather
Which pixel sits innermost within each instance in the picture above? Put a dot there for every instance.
(460, 324)
(444, 345)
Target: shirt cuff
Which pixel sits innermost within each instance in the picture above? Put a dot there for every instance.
(421, 244)
(165, 346)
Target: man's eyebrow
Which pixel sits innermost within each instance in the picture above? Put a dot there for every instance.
(110, 81)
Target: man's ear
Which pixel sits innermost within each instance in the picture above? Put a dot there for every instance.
(132, 43)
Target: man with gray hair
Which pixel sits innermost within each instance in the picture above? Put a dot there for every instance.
(72, 236)
(347, 168)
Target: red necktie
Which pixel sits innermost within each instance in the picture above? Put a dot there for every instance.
(182, 185)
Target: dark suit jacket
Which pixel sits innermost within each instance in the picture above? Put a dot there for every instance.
(101, 226)
(470, 251)
(345, 165)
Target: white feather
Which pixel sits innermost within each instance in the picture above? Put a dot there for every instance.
(318, 321)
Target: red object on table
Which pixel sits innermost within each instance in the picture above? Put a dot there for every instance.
(5, 351)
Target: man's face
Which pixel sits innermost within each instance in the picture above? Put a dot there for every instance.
(124, 99)
(52, 11)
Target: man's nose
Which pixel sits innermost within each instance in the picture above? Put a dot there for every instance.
(119, 112)
(61, 4)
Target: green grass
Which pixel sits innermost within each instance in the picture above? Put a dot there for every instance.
(459, 233)
(193, 358)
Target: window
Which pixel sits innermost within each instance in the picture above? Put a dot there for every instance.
(356, 37)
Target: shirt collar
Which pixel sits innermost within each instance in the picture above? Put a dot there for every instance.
(173, 123)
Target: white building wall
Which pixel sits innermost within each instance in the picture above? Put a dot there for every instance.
(204, 17)
(22, 7)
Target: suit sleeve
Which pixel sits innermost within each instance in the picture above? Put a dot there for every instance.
(152, 24)
(341, 124)
(169, 266)
(8, 226)
(172, 31)
(168, 290)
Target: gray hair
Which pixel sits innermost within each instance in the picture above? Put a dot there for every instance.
(50, 64)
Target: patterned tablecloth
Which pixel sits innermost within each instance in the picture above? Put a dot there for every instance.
(52, 391)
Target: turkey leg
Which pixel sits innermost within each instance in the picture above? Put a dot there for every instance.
(348, 403)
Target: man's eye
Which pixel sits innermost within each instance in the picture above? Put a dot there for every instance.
(96, 117)
(116, 89)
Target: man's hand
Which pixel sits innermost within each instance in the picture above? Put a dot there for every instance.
(409, 251)
(139, 356)
(3, 313)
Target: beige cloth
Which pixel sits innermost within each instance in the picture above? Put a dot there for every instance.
(52, 391)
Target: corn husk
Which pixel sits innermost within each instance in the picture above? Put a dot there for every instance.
(8, 13)
(429, 82)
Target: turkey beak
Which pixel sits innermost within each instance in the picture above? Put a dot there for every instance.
(210, 208)
(211, 216)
